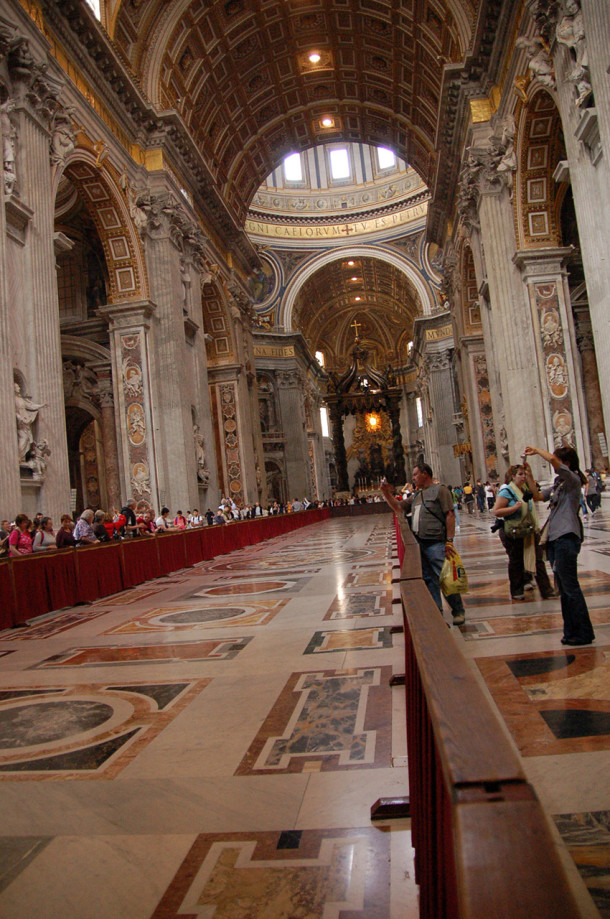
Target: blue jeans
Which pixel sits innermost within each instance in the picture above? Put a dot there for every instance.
(562, 553)
(432, 558)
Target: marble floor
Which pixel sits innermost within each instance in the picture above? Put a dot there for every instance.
(210, 744)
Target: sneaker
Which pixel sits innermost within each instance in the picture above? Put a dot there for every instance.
(459, 619)
(528, 586)
(518, 597)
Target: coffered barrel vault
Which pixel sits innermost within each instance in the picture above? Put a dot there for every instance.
(238, 72)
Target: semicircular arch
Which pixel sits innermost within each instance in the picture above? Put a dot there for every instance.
(107, 206)
(426, 297)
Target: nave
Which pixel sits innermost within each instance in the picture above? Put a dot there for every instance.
(210, 744)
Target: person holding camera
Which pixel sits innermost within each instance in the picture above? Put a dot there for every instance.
(519, 531)
(564, 532)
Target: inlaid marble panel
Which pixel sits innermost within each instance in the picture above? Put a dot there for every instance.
(349, 640)
(167, 653)
(264, 875)
(244, 588)
(214, 616)
(502, 626)
(336, 718)
(368, 578)
(53, 625)
(135, 596)
(291, 555)
(553, 702)
(356, 605)
(587, 837)
(86, 730)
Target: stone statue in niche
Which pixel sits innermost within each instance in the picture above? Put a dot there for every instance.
(63, 138)
(540, 62)
(571, 33)
(9, 136)
(37, 460)
(203, 475)
(185, 279)
(26, 413)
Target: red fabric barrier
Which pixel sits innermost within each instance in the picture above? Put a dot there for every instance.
(99, 571)
(171, 549)
(194, 546)
(39, 583)
(140, 560)
(31, 594)
(60, 573)
(7, 593)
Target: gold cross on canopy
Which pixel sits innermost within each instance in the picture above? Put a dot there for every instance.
(355, 326)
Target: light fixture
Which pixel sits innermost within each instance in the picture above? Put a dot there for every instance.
(354, 278)
(357, 298)
(328, 123)
(314, 57)
(351, 264)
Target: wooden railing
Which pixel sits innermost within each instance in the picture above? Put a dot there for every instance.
(483, 844)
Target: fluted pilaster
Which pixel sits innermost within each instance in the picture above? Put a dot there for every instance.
(44, 366)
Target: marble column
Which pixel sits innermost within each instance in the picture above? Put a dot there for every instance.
(41, 356)
(543, 272)
(170, 368)
(591, 389)
(336, 421)
(393, 406)
(491, 425)
(111, 455)
(511, 325)
(129, 326)
(292, 413)
(586, 129)
(9, 459)
(441, 391)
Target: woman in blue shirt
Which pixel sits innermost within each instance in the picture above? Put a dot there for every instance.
(515, 500)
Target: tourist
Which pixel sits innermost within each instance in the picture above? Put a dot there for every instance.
(516, 501)
(83, 531)
(209, 516)
(195, 519)
(99, 528)
(433, 525)
(19, 540)
(5, 531)
(180, 521)
(130, 526)
(65, 538)
(45, 537)
(564, 534)
(593, 490)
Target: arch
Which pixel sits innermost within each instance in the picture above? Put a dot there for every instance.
(538, 196)
(309, 268)
(107, 206)
(219, 332)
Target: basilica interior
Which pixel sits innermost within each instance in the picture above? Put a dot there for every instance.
(363, 233)
(260, 250)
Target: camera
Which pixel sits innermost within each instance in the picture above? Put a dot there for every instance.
(527, 495)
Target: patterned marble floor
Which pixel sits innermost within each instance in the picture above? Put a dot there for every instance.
(210, 744)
